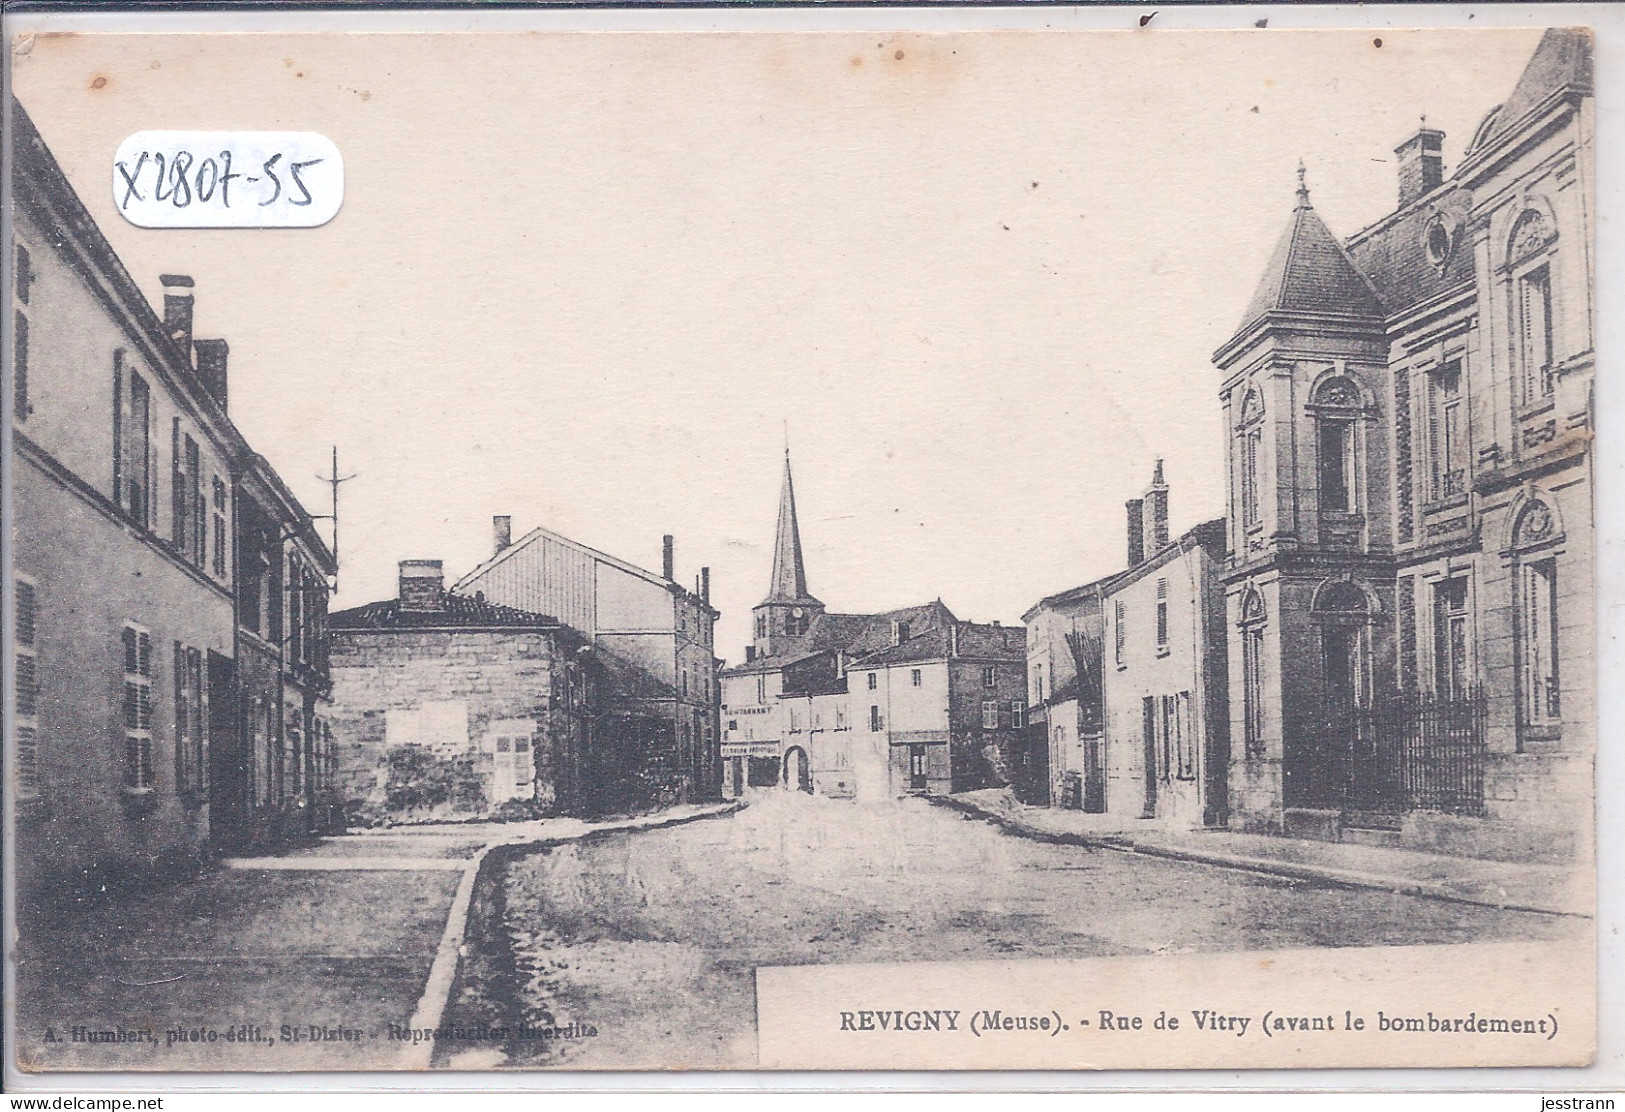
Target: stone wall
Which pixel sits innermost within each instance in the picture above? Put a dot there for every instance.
(495, 674)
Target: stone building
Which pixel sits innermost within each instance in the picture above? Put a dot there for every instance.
(1165, 691)
(654, 635)
(448, 704)
(125, 478)
(867, 706)
(949, 706)
(1410, 585)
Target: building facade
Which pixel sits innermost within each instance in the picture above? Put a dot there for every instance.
(868, 706)
(1165, 686)
(444, 704)
(1067, 697)
(654, 635)
(275, 779)
(1410, 580)
(1127, 675)
(949, 706)
(125, 478)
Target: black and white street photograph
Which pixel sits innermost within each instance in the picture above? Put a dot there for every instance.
(800, 550)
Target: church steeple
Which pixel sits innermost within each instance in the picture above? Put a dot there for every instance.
(789, 582)
(788, 609)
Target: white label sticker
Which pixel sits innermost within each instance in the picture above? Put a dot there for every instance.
(228, 179)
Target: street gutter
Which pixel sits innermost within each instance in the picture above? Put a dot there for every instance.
(431, 1006)
(1291, 870)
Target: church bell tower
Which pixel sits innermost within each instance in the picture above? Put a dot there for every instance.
(787, 613)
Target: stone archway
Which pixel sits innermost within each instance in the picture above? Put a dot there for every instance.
(797, 769)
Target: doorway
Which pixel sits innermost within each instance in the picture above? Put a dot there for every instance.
(916, 768)
(228, 759)
(798, 769)
(1149, 730)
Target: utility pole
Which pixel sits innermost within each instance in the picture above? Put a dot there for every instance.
(333, 480)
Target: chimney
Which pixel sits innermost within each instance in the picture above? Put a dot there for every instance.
(705, 586)
(953, 638)
(422, 586)
(1421, 164)
(1156, 513)
(501, 533)
(211, 367)
(1136, 531)
(750, 653)
(178, 311)
(668, 567)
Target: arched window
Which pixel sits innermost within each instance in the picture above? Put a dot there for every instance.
(1540, 702)
(1529, 257)
(1252, 671)
(1343, 611)
(1337, 405)
(1249, 447)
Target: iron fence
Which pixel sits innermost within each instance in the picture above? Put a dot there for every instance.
(1403, 752)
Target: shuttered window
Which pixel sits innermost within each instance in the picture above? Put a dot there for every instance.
(26, 721)
(189, 719)
(137, 709)
(1535, 312)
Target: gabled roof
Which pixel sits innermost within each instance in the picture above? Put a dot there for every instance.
(1209, 535)
(1093, 589)
(469, 581)
(973, 640)
(460, 611)
(1561, 61)
(1310, 272)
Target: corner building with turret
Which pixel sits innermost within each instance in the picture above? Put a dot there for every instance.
(1409, 420)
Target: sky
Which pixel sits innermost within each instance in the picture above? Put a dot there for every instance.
(593, 280)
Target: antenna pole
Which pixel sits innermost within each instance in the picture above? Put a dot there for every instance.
(333, 480)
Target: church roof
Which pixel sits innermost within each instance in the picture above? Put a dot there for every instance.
(1311, 272)
(789, 582)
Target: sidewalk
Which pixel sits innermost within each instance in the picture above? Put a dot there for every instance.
(1546, 888)
(297, 961)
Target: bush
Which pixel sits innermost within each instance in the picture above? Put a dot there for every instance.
(419, 781)
(518, 810)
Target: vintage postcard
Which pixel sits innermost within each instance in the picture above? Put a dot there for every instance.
(800, 551)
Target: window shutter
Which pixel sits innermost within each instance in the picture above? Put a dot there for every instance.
(25, 613)
(177, 489)
(118, 428)
(19, 364)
